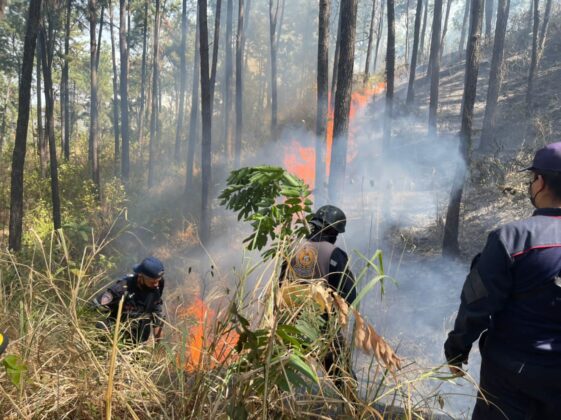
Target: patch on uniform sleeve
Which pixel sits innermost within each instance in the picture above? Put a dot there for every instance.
(333, 263)
(474, 288)
(106, 298)
(304, 261)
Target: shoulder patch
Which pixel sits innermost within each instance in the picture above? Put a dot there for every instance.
(304, 261)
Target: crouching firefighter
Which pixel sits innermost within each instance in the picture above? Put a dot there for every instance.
(318, 258)
(142, 311)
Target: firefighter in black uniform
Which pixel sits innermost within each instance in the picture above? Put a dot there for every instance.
(511, 301)
(318, 257)
(142, 307)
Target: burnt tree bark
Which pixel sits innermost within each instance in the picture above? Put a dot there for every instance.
(534, 59)
(370, 40)
(240, 41)
(93, 142)
(445, 28)
(463, 30)
(322, 99)
(116, 146)
(141, 112)
(65, 93)
(155, 111)
(182, 82)
(124, 86)
(336, 60)
(450, 244)
(204, 228)
(228, 70)
(495, 76)
(489, 7)
(46, 61)
(194, 118)
(435, 67)
(41, 143)
(423, 31)
(215, 43)
(343, 93)
(390, 75)
(18, 157)
(413, 67)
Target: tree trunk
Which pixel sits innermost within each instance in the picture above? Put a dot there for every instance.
(141, 112)
(46, 61)
(464, 26)
(343, 93)
(194, 119)
(423, 31)
(41, 143)
(93, 147)
(495, 76)
(435, 67)
(7, 99)
(65, 88)
(379, 33)
(445, 28)
(489, 6)
(182, 82)
(450, 245)
(335, 71)
(18, 157)
(239, 83)
(534, 59)
(545, 24)
(215, 43)
(273, 17)
(154, 115)
(322, 100)
(390, 75)
(406, 60)
(204, 228)
(369, 45)
(413, 68)
(124, 52)
(116, 146)
(228, 70)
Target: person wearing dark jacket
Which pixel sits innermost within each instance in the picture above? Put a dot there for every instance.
(511, 301)
(142, 306)
(317, 257)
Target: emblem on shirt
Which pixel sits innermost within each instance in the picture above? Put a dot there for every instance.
(304, 262)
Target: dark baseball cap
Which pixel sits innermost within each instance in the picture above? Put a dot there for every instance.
(151, 267)
(547, 159)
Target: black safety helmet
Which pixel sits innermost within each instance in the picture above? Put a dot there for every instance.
(329, 216)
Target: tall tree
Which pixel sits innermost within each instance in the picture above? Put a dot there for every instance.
(545, 25)
(495, 76)
(124, 86)
(413, 67)
(534, 59)
(228, 70)
(41, 142)
(336, 60)
(46, 61)
(93, 145)
(204, 228)
(274, 6)
(489, 6)
(154, 115)
(406, 57)
(445, 28)
(18, 157)
(322, 99)
(182, 82)
(463, 30)
(450, 245)
(379, 33)
(435, 68)
(215, 43)
(64, 94)
(239, 83)
(390, 74)
(116, 146)
(370, 40)
(343, 93)
(424, 30)
(141, 112)
(194, 118)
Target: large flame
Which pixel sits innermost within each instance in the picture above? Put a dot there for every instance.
(204, 349)
(301, 160)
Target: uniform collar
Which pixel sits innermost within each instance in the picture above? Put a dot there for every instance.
(554, 212)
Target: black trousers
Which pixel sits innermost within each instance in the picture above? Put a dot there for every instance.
(518, 392)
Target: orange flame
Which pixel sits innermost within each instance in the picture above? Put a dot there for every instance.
(301, 160)
(204, 350)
